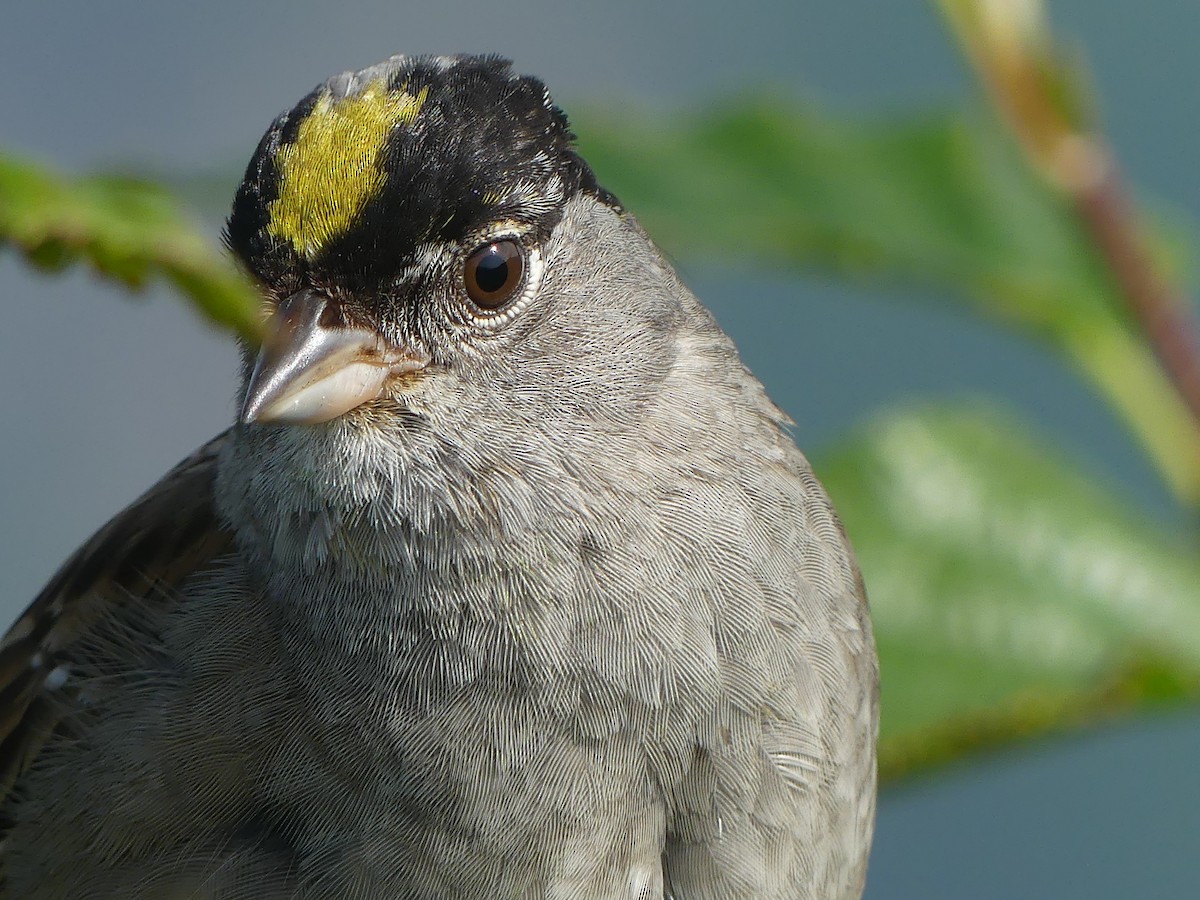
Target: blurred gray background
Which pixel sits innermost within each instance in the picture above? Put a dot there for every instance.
(101, 395)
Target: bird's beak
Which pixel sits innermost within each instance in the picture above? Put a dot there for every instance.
(308, 371)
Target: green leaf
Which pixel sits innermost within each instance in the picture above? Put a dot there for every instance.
(1011, 595)
(126, 230)
(940, 200)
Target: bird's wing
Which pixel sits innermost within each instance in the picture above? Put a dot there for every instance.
(138, 557)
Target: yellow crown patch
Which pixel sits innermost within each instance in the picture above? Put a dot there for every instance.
(330, 172)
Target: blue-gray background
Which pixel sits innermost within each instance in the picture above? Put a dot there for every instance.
(99, 395)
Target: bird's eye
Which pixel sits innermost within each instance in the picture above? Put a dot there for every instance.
(494, 273)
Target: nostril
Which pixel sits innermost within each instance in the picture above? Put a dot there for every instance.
(332, 316)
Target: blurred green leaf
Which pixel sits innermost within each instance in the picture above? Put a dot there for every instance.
(1011, 595)
(126, 230)
(942, 200)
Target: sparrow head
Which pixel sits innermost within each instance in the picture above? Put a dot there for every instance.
(398, 220)
(451, 293)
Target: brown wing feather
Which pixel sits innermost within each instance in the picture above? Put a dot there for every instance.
(141, 554)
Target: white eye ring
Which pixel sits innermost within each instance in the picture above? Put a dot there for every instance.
(510, 309)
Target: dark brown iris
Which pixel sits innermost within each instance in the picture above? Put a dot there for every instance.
(494, 273)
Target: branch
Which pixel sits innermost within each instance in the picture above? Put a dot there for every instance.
(1040, 97)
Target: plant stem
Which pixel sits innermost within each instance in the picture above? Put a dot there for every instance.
(1037, 91)
(1105, 210)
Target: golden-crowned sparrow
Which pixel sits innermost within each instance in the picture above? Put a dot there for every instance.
(509, 581)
